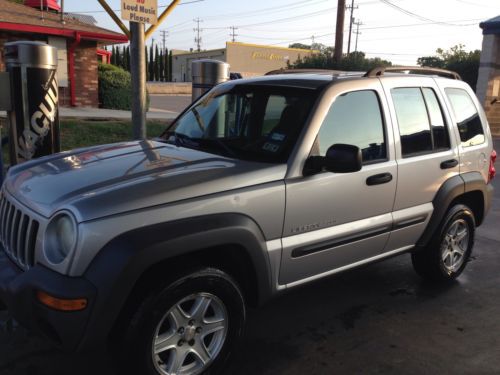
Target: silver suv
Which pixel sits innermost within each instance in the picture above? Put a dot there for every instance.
(156, 248)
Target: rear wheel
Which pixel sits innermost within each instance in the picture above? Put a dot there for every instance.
(446, 256)
(189, 327)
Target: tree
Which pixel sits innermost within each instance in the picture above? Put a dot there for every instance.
(127, 53)
(166, 66)
(157, 64)
(323, 59)
(162, 66)
(113, 55)
(455, 59)
(299, 46)
(170, 58)
(151, 68)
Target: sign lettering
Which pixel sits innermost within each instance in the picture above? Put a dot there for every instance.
(141, 11)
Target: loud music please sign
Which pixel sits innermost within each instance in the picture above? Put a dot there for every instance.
(142, 11)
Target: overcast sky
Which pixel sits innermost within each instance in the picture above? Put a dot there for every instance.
(397, 30)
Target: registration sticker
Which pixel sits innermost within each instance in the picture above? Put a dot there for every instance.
(271, 147)
(278, 137)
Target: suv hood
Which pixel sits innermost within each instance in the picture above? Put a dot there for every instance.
(111, 179)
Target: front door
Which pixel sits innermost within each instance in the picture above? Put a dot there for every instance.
(334, 220)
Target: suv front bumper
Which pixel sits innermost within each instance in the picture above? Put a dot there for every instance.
(18, 291)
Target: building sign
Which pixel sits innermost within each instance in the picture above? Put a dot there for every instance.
(142, 11)
(267, 56)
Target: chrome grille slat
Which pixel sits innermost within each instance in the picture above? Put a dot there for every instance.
(14, 235)
(10, 216)
(18, 233)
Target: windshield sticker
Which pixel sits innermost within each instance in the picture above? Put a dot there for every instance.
(278, 137)
(270, 147)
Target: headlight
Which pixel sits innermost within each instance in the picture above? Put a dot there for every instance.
(60, 238)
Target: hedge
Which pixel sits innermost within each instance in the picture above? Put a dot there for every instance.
(115, 88)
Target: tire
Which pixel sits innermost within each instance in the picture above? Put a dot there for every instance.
(449, 250)
(189, 327)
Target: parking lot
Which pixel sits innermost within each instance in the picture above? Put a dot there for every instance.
(381, 319)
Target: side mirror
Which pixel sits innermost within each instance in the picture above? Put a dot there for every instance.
(340, 158)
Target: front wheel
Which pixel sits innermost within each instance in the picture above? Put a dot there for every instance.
(447, 254)
(190, 327)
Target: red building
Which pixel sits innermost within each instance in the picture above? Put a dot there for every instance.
(78, 41)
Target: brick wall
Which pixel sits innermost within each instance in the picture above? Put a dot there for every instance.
(86, 85)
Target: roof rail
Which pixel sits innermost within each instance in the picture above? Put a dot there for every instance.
(303, 71)
(379, 71)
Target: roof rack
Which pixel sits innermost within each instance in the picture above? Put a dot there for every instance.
(303, 71)
(379, 71)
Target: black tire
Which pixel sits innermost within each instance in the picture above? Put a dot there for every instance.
(157, 313)
(435, 261)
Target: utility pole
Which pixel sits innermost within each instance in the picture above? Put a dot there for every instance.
(312, 42)
(164, 34)
(339, 33)
(233, 34)
(138, 70)
(62, 12)
(198, 31)
(357, 32)
(351, 21)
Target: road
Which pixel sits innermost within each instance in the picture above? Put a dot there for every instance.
(169, 103)
(380, 319)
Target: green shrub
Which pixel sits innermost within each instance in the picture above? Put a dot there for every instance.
(115, 87)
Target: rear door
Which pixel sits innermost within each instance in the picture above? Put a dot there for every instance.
(334, 220)
(426, 153)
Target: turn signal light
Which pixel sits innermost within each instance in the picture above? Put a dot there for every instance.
(492, 172)
(61, 304)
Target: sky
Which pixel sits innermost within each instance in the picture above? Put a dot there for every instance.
(396, 30)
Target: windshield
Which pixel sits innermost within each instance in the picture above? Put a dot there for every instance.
(251, 123)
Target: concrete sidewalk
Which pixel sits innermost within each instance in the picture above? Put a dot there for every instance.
(108, 114)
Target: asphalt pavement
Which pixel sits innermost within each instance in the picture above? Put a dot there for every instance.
(379, 319)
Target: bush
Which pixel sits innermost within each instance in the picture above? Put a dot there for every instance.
(115, 88)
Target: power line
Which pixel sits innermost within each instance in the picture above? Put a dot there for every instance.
(118, 10)
(414, 15)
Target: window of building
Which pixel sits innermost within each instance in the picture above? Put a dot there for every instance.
(468, 120)
(422, 128)
(354, 118)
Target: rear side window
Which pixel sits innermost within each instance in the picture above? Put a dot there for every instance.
(468, 121)
(421, 123)
(354, 118)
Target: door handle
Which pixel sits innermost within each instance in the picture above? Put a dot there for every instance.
(379, 179)
(449, 164)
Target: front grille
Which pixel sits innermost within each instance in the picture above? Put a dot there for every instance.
(18, 233)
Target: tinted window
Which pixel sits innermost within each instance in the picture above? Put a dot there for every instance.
(468, 121)
(439, 130)
(355, 119)
(247, 122)
(413, 120)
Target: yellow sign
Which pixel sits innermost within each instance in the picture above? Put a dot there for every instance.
(142, 11)
(267, 56)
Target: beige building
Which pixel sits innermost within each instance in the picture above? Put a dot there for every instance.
(488, 83)
(247, 59)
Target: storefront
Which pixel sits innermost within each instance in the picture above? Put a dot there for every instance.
(247, 59)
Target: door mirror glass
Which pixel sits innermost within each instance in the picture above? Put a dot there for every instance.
(339, 158)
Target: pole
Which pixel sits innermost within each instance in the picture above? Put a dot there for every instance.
(350, 27)
(357, 33)
(339, 33)
(138, 73)
(41, 9)
(62, 12)
(197, 39)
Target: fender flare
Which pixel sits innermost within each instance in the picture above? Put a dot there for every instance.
(120, 263)
(447, 193)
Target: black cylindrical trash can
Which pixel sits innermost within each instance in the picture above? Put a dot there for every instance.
(207, 74)
(34, 119)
